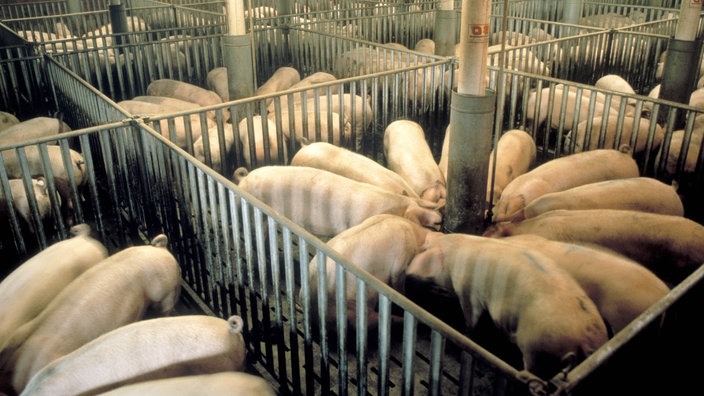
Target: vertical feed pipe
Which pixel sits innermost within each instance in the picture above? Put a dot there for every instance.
(118, 20)
(445, 28)
(237, 52)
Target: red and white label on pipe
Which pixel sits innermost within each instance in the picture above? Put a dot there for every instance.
(477, 32)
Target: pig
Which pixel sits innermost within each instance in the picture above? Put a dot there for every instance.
(146, 350)
(282, 79)
(33, 128)
(171, 103)
(425, 46)
(563, 173)
(614, 82)
(217, 81)
(29, 288)
(263, 129)
(576, 107)
(7, 120)
(344, 162)
(676, 144)
(225, 383)
(180, 133)
(621, 288)
(325, 203)
(407, 153)
(537, 304)
(112, 293)
(670, 246)
(315, 78)
(334, 127)
(383, 245)
(21, 202)
(36, 167)
(216, 147)
(515, 154)
(354, 108)
(184, 91)
(576, 140)
(637, 193)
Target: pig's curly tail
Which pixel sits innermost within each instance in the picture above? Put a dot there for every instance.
(236, 324)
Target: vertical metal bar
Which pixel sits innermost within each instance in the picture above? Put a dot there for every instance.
(409, 349)
(437, 349)
(341, 309)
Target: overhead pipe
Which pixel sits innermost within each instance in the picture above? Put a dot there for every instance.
(445, 28)
(237, 53)
(681, 69)
(471, 124)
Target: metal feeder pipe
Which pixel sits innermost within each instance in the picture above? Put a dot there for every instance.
(471, 123)
(445, 28)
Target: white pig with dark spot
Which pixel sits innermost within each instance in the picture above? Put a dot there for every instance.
(353, 165)
(115, 292)
(225, 383)
(537, 304)
(262, 130)
(407, 153)
(7, 120)
(621, 288)
(561, 174)
(146, 350)
(644, 194)
(382, 245)
(28, 289)
(670, 246)
(325, 203)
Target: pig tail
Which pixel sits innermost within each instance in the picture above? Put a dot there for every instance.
(236, 324)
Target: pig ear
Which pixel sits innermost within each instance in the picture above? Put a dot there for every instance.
(425, 217)
(427, 264)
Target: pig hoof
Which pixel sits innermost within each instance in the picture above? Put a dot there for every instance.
(160, 240)
(236, 324)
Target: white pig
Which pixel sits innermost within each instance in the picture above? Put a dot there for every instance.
(217, 161)
(355, 108)
(620, 287)
(172, 103)
(225, 383)
(34, 128)
(575, 140)
(184, 91)
(7, 120)
(344, 162)
(282, 79)
(263, 130)
(20, 200)
(576, 106)
(635, 193)
(180, 132)
(36, 166)
(677, 142)
(145, 350)
(561, 174)
(407, 153)
(670, 246)
(515, 154)
(217, 81)
(116, 291)
(30, 287)
(334, 127)
(537, 304)
(325, 203)
(382, 245)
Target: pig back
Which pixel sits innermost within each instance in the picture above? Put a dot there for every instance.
(146, 350)
(344, 162)
(27, 290)
(325, 203)
(563, 173)
(219, 384)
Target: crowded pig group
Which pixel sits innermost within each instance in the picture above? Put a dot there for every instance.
(587, 256)
(78, 320)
